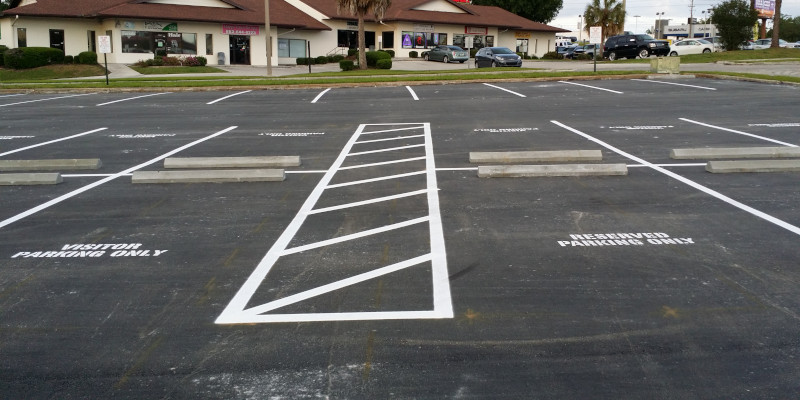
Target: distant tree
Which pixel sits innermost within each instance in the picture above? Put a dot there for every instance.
(790, 28)
(4, 4)
(735, 20)
(535, 10)
(610, 15)
(360, 9)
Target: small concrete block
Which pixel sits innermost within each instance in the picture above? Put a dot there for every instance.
(209, 176)
(726, 167)
(50, 165)
(522, 171)
(233, 162)
(30, 179)
(716, 153)
(511, 157)
(665, 65)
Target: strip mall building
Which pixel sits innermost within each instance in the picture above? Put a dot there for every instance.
(233, 31)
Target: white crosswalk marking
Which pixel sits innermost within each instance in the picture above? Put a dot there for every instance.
(244, 309)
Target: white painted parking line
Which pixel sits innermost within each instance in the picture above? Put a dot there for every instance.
(414, 95)
(132, 98)
(591, 87)
(738, 132)
(51, 141)
(389, 130)
(47, 99)
(13, 95)
(372, 180)
(90, 175)
(319, 96)
(674, 83)
(670, 165)
(386, 150)
(239, 310)
(711, 192)
(382, 163)
(505, 90)
(90, 186)
(228, 97)
(390, 139)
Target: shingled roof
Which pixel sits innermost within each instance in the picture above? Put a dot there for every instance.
(281, 13)
(404, 11)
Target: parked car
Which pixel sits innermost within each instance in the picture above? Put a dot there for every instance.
(767, 43)
(631, 46)
(589, 50)
(446, 54)
(573, 51)
(691, 46)
(563, 50)
(748, 45)
(716, 41)
(497, 57)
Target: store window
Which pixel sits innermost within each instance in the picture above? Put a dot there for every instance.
(478, 41)
(209, 44)
(422, 40)
(291, 48)
(388, 40)
(148, 42)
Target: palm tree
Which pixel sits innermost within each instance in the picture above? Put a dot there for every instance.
(360, 8)
(610, 16)
(776, 25)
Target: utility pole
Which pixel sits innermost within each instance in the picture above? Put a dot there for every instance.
(269, 38)
(691, 20)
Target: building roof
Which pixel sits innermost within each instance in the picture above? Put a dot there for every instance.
(472, 15)
(281, 13)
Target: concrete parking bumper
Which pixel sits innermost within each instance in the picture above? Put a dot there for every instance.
(233, 162)
(535, 156)
(209, 176)
(30, 179)
(724, 167)
(523, 171)
(50, 165)
(734, 152)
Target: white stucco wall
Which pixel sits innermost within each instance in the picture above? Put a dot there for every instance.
(38, 32)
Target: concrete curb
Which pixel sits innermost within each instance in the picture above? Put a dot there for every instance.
(50, 165)
(233, 162)
(523, 171)
(734, 152)
(30, 179)
(209, 176)
(535, 156)
(727, 167)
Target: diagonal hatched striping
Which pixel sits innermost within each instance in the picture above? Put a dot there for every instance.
(242, 309)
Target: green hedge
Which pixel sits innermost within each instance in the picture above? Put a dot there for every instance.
(413, 54)
(32, 57)
(384, 63)
(552, 55)
(87, 57)
(322, 60)
(335, 58)
(306, 60)
(374, 56)
(347, 65)
(391, 52)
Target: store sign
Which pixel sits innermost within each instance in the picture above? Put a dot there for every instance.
(765, 8)
(423, 27)
(161, 26)
(352, 25)
(522, 35)
(476, 30)
(233, 29)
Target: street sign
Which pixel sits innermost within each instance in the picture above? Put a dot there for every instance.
(596, 34)
(104, 44)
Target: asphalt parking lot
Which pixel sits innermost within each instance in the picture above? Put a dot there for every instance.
(383, 266)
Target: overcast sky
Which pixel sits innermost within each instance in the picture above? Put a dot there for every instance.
(675, 10)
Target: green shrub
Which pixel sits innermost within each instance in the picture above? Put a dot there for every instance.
(472, 52)
(32, 57)
(413, 54)
(336, 58)
(69, 59)
(552, 55)
(582, 57)
(2, 50)
(347, 65)
(352, 52)
(87, 57)
(533, 57)
(171, 61)
(374, 56)
(202, 60)
(160, 53)
(321, 60)
(191, 61)
(306, 61)
(391, 52)
(384, 63)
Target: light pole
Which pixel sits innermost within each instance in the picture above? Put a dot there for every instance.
(659, 25)
(580, 28)
(637, 23)
(269, 39)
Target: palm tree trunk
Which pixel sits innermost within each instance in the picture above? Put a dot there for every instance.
(362, 52)
(776, 24)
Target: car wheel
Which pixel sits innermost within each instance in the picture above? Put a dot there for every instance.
(462, 61)
(643, 53)
(425, 57)
(476, 64)
(494, 64)
(612, 56)
(706, 51)
(445, 60)
(673, 54)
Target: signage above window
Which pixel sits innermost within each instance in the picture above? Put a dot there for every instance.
(247, 30)
(476, 30)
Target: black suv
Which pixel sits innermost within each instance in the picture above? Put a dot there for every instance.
(631, 46)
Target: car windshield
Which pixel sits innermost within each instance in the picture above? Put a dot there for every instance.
(703, 41)
(501, 50)
(644, 37)
(455, 48)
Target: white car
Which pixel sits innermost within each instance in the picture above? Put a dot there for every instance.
(691, 46)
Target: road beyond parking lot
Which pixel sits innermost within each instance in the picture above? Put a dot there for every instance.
(383, 266)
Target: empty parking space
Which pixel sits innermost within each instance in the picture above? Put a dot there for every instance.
(385, 258)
